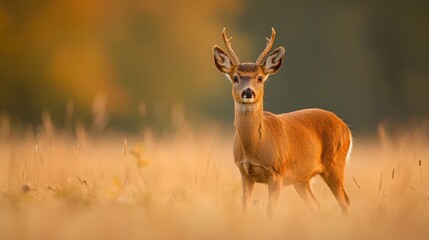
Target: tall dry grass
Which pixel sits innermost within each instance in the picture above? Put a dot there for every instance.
(186, 186)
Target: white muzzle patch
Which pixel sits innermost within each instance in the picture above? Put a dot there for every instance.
(248, 100)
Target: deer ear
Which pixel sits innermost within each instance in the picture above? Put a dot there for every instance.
(274, 61)
(222, 61)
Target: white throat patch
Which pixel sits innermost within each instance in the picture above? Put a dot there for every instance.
(246, 107)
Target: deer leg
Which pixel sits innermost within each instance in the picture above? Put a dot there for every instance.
(304, 191)
(334, 181)
(247, 185)
(274, 187)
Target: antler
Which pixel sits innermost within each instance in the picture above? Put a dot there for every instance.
(234, 59)
(270, 43)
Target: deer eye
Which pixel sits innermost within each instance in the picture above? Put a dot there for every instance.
(235, 79)
(260, 79)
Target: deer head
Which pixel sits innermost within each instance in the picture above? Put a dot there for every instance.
(248, 79)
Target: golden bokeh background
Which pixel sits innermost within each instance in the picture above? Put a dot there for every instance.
(137, 60)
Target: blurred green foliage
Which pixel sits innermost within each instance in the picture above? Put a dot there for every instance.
(136, 62)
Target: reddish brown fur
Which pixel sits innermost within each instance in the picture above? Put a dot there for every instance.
(284, 149)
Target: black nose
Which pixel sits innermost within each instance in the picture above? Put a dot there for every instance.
(248, 93)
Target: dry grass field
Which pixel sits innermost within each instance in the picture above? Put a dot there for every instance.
(55, 185)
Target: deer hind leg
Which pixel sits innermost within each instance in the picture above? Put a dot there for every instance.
(334, 180)
(304, 191)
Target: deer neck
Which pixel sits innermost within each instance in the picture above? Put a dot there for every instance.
(248, 121)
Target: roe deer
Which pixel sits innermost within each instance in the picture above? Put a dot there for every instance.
(284, 149)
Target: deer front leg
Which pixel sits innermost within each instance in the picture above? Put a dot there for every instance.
(274, 186)
(247, 191)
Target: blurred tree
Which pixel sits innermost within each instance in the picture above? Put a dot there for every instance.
(399, 33)
(135, 52)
